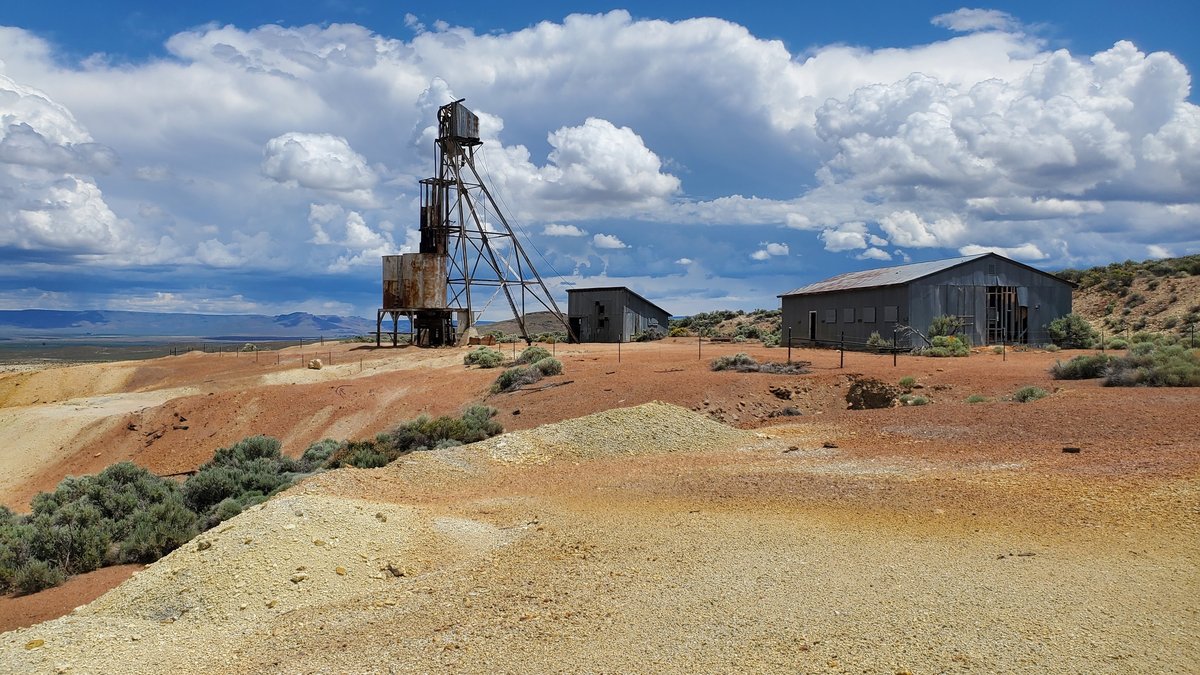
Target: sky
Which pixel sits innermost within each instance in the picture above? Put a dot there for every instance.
(227, 157)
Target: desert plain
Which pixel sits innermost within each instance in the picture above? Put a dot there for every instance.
(642, 514)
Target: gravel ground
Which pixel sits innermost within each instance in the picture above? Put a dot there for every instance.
(651, 539)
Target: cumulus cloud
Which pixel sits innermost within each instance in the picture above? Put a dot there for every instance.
(769, 250)
(556, 230)
(320, 162)
(607, 241)
(684, 261)
(984, 138)
(49, 199)
(966, 20)
(905, 228)
(845, 237)
(1022, 252)
(873, 253)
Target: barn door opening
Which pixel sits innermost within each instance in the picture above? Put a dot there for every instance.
(1007, 317)
(812, 326)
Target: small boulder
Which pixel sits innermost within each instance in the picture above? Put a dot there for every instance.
(315, 364)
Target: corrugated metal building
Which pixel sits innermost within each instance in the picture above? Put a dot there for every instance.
(997, 300)
(612, 314)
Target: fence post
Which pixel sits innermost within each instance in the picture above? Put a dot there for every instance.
(789, 345)
(1003, 348)
(842, 350)
(1101, 340)
(699, 344)
(620, 339)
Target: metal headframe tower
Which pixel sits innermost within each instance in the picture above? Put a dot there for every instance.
(461, 220)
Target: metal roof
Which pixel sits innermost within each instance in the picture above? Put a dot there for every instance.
(884, 276)
(617, 288)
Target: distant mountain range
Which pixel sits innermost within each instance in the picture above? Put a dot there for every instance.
(107, 323)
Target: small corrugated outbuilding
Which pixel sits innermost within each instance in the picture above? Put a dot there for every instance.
(612, 314)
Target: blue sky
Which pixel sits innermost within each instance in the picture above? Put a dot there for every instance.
(260, 157)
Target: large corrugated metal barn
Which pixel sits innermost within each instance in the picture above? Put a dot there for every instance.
(996, 299)
(612, 314)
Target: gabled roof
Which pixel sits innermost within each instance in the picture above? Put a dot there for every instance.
(618, 288)
(893, 276)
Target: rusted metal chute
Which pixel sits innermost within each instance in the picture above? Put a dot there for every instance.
(461, 253)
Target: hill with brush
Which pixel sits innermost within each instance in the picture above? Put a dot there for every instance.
(1152, 295)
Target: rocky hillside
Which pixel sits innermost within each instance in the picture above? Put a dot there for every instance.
(1156, 295)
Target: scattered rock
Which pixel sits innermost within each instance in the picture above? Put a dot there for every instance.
(203, 545)
(395, 569)
(792, 448)
(517, 411)
(34, 644)
(789, 411)
(315, 364)
(829, 444)
(784, 393)
(1071, 450)
(381, 517)
(340, 571)
(298, 577)
(869, 394)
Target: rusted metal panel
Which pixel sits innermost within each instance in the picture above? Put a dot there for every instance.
(391, 282)
(414, 281)
(422, 281)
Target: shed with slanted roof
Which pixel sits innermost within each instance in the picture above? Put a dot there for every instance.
(996, 300)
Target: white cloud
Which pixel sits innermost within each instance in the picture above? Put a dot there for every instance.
(845, 237)
(905, 228)
(684, 261)
(1156, 251)
(321, 162)
(769, 250)
(48, 198)
(966, 20)
(607, 241)
(874, 254)
(556, 230)
(1022, 252)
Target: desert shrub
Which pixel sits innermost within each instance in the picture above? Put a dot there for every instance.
(944, 325)
(976, 398)
(1072, 332)
(532, 355)
(946, 346)
(36, 575)
(1170, 322)
(160, 529)
(1051, 348)
(998, 349)
(678, 331)
(1117, 343)
(777, 368)
(484, 358)
(1027, 394)
(246, 470)
(423, 433)
(517, 376)
(549, 366)
(1165, 366)
(1081, 367)
(913, 399)
(875, 341)
(362, 454)
(772, 339)
(908, 382)
(317, 454)
(734, 362)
